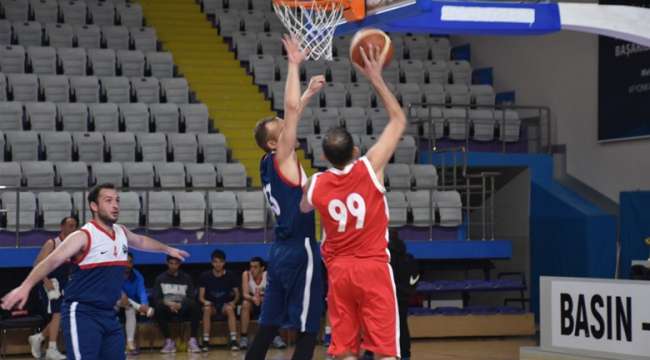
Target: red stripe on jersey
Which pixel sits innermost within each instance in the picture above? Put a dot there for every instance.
(104, 264)
(101, 228)
(89, 244)
(276, 165)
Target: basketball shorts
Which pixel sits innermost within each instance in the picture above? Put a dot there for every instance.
(294, 290)
(362, 307)
(91, 333)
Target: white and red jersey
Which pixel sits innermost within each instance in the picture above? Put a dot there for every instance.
(100, 274)
(354, 212)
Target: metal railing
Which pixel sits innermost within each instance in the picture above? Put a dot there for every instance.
(535, 120)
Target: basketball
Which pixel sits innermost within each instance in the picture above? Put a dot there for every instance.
(371, 36)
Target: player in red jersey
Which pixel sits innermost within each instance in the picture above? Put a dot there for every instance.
(354, 214)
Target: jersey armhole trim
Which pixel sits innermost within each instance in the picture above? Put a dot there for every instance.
(89, 243)
(373, 175)
(290, 183)
(310, 191)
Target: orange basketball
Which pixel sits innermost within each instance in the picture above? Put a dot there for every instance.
(376, 37)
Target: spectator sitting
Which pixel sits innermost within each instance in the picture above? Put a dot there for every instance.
(134, 299)
(253, 286)
(219, 295)
(174, 295)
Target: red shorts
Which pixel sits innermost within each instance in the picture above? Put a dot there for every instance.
(362, 307)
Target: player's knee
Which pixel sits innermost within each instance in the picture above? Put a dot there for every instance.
(246, 305)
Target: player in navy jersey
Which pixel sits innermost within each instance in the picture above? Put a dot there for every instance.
(294, 293)
(99, 251)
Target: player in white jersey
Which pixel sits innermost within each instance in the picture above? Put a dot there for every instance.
(253, 287)
(99, 250)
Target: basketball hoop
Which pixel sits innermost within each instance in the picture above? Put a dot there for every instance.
(312, 22)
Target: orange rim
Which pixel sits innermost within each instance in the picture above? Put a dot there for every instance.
(354, 10)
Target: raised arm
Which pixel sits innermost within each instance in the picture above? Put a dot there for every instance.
(145, 243)
(381, 152)
(294, 104)
(73, 245)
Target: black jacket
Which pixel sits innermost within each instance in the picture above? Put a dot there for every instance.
(405, 269)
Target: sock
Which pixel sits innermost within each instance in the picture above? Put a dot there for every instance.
(51, 345)
(233, 336)
(328, 330)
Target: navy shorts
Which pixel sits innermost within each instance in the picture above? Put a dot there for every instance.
(294, 291)
(92, 333)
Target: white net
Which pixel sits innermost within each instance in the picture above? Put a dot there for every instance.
(312, 23)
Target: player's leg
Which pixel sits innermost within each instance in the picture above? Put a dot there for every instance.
(343, 310)
(245, 318)
(229, 312)
(379, 312)
(190, 310)
(112, 345)
(130, 324)
(306, 303)
(405, 335)
(163, 317)
(271, 318)
(208, 311)
(82, 332)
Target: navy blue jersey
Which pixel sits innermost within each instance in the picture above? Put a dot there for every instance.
(291, 224)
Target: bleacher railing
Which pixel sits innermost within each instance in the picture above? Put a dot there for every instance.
(535, 125)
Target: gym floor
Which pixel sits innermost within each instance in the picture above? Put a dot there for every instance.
(447, 349)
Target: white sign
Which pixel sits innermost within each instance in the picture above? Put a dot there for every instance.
(597, 315)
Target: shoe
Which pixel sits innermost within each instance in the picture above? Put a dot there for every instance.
(278, 343)
(243, 343)
(327, 339)
(170, 347)
(132, 352)
(36, 342)
(233, 345)
(54, 354)
(193, 346)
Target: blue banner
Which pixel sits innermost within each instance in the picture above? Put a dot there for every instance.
(623, 85)
(464, 17)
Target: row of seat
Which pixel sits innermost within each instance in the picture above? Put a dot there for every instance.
(416, 205)
(405, 152)
(77, 61)
(361, 121)
(212, 7)
(92, 89)
(269, 68)
(113, 146)
(362, 95)
(108, 117)
(248, 24)
(74, 12)
(33, 33)
(67, 174)
(165, 209)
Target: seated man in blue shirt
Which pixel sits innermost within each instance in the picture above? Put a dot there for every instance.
(134, 300)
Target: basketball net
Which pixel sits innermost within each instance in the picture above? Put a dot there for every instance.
(312, 22)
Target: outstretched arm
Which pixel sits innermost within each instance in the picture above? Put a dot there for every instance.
(380, 153)
(294, 104)
(146, 243)
(72, 246)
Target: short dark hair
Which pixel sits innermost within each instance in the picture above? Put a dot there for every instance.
(94, 193)
(69, 217)
(219, 254)
(259, 260)
(262, 133)
(169, 258)
(338, 146)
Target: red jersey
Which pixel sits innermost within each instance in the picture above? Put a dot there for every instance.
(354, 212)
